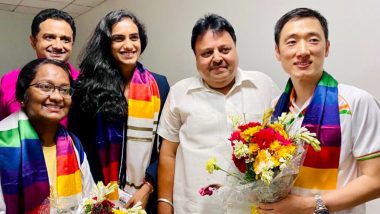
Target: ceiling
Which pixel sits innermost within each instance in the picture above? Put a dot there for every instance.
(74, 7)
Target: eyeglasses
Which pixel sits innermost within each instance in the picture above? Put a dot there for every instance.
(48, 89)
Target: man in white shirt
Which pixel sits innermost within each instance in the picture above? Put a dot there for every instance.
(195, 122)
(345, 173)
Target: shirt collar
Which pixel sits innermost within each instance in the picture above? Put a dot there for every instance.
(293, 106)
(240, 79)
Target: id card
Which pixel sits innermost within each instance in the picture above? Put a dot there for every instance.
(123, 198)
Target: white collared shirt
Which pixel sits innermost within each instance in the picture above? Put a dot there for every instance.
(360, 138)
(198, 118)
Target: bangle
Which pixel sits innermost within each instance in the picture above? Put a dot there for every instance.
(150, 186)
(166, 201)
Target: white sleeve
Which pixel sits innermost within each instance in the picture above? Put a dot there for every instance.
(87, 180)
(365, 126)
(170, 121)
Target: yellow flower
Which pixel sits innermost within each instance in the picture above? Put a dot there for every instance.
(275, 145)
(254, 210)
(261, 161)
(253, 148)
(262, 156)
(275, 160)
(211, 165)
(133, 210)
(280, 128)
(266, 117)
(250, 132)
(283, 133)
(285, 152)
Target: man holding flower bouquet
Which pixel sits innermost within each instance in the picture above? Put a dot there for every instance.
(345, 173)
(196, 119)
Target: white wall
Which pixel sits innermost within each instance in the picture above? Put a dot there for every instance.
(15, 49)
(354, 35)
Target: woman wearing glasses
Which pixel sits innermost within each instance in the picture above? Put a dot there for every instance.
(117, 103)
(42, 165)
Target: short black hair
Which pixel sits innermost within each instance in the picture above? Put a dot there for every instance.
(52, 13)
(212, 22)
(300, 13)
(29, 71)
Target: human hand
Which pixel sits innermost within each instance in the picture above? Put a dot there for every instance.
(292, 204)
(142, 195)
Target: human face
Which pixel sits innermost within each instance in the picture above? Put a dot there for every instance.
(126, 45)
(44, 108)
(54, 40)
(302, 49)
(216, 59)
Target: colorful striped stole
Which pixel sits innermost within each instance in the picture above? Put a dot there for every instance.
(125, 152)
(24, 177)
(320, 169)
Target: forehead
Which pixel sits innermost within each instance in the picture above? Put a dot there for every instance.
(55, 26)
(300, 26)
(123, 25)
(52, 73)
(211, 39)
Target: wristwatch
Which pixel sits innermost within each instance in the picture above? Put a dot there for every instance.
(320, 207)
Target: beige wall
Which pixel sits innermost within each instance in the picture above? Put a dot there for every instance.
(354, 35)
(15, 50)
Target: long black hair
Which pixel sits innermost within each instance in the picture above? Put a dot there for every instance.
(98, 88)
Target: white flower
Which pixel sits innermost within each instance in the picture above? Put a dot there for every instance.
(101, 191)
(265, 165)
(282, 160)
(235, 121)
(267, 176)
(304, 135)
(240, 149)
(286, 118)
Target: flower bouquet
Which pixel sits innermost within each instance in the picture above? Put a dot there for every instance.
(99, 204)
(268, 156)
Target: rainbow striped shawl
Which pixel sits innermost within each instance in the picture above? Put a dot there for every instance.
(320, 169)
(24, 177)
(125, 147)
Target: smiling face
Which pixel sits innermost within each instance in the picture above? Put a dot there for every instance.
(302, 49)
(44, 108)
(126, 45)
(216, 59)
(54, 40)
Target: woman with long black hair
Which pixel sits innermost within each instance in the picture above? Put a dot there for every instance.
(117, 103)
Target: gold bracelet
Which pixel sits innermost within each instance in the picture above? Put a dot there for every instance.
(165, 201)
